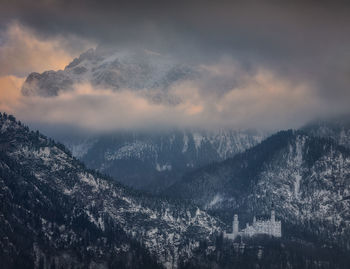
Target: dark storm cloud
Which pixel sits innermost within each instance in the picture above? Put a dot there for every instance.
(276, 32)
(303, 42)
(259, 26)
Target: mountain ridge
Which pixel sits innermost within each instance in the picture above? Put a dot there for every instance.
(167, 231)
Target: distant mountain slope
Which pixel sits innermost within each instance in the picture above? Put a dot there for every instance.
(305, 177)
(55, 211)
(337, 128)
(155, 160)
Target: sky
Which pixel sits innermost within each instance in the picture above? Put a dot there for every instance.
(267, 64)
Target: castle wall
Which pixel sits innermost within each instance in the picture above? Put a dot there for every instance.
(269, 227)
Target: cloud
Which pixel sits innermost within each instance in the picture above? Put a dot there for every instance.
(260, 99)
(10, 93)
(23, 51)
(265, 64)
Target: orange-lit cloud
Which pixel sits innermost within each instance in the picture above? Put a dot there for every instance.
(22, 51)
(10, 93)
(263, 101)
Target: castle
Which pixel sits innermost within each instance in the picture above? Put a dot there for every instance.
(270, 227)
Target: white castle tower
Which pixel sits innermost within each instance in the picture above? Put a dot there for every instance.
(235, 229)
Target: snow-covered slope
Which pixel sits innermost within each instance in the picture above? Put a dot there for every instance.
(305, 177)
(337, 128)
(153, 161)
(77, 211)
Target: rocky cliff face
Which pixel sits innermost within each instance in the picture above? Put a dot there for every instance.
(115, 70)
(55, 211)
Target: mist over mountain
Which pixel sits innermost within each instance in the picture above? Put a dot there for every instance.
(337, 128)
(174, 134)
(117, 89)
(147, 158)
